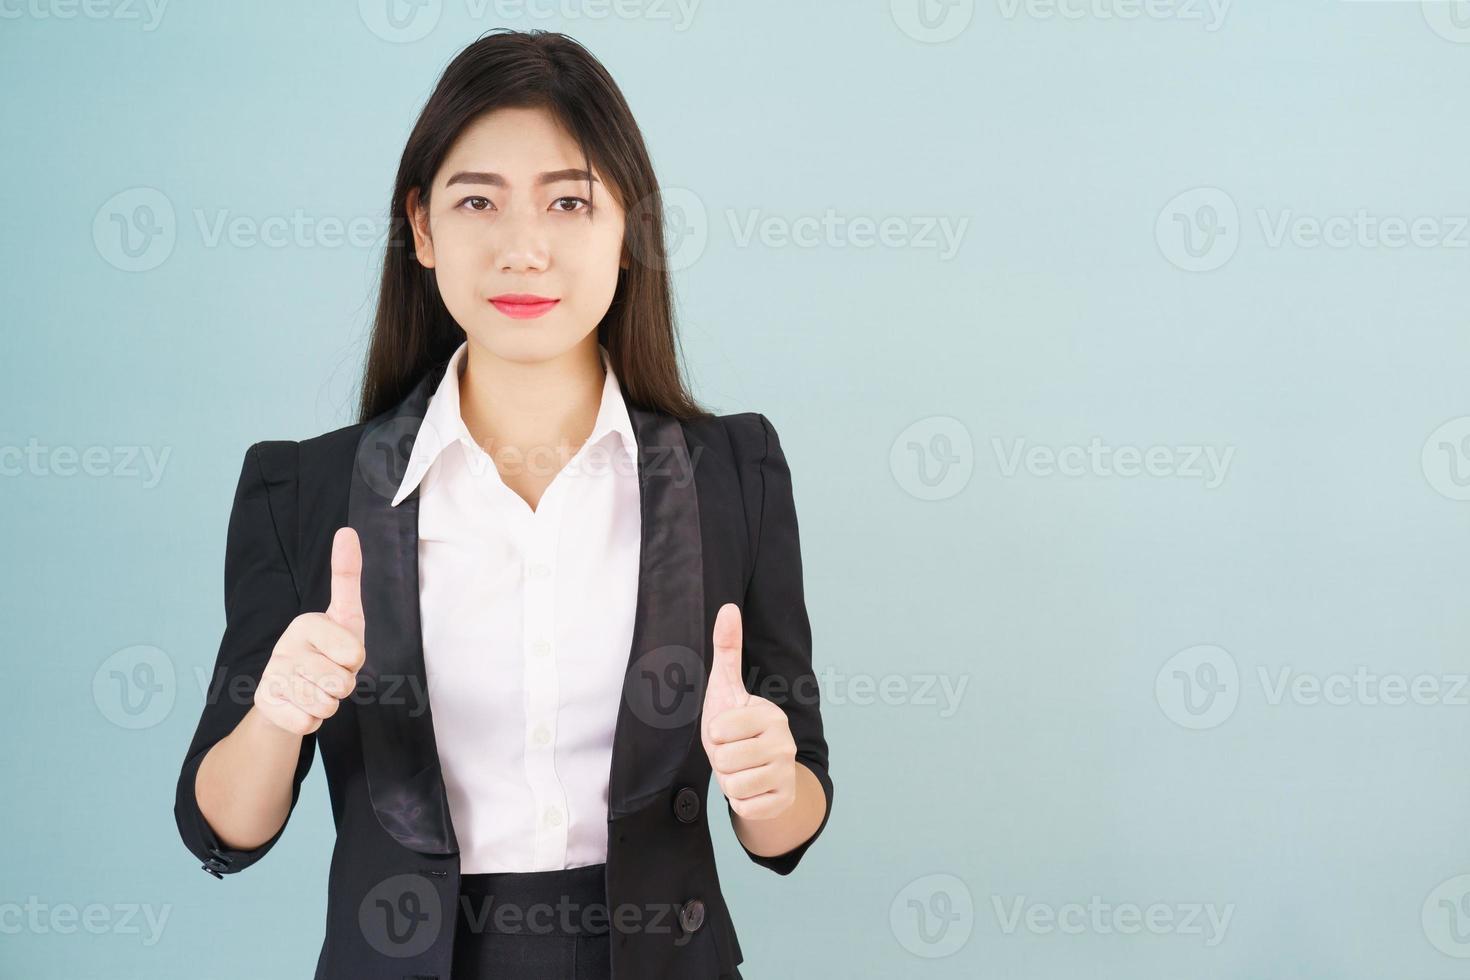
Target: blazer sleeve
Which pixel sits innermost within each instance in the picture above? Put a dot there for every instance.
(777, 647)
(261, 599)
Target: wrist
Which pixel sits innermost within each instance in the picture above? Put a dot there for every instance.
(258, 729)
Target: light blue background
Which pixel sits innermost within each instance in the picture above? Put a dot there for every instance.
(1333, 542)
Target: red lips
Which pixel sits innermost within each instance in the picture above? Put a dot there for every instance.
(522, 306)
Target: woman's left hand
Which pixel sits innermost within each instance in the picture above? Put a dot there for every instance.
(746, 737)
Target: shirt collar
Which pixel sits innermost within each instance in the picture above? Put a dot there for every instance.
(443, 425)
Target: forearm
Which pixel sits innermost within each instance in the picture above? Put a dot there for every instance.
(245, 781)
(792, 828)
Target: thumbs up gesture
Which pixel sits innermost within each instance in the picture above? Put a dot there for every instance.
(315, 662)
(746, 737)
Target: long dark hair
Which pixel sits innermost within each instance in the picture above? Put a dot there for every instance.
(413, 330)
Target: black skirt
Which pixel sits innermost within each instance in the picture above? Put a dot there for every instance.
(536, 925)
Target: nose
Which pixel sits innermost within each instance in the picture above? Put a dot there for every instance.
(520, 245)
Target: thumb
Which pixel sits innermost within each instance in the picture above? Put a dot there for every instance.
(345, 608)
(726, 685)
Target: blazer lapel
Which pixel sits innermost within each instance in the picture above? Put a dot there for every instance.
(663, 686)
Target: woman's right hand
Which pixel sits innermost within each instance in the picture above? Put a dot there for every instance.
(315, 662)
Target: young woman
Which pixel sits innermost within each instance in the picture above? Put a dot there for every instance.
(534, 597)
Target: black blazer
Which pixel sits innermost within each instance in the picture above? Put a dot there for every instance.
(719, 525)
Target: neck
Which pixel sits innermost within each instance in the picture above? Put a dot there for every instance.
(531, 406)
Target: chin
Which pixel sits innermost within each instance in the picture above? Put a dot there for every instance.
(526, 341)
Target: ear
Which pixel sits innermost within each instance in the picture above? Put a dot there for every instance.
(418, 220)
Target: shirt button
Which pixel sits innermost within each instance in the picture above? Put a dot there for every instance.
(553, 817)
(540, 648)
(541, 735)
(539, 570)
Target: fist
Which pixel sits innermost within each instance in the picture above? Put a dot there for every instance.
(315, 662)
(746, 737)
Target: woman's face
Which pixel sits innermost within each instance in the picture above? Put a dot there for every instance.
(508, 213)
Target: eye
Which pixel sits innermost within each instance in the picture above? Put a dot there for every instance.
(485, 201)
(555, 204)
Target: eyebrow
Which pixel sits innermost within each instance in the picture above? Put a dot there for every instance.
(495, 180)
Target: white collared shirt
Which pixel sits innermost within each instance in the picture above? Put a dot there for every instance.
(527, 620)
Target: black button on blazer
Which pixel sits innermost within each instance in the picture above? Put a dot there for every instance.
(718, 525)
